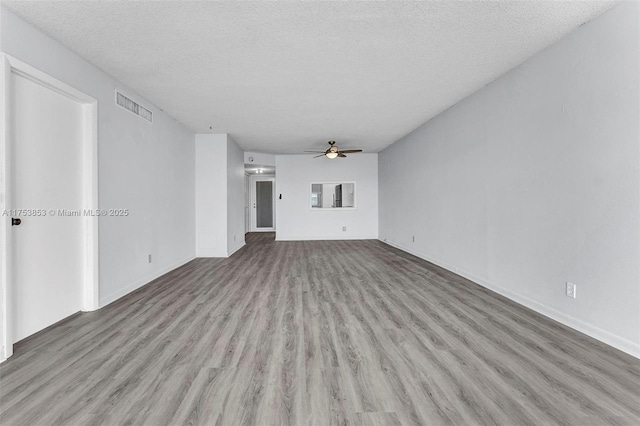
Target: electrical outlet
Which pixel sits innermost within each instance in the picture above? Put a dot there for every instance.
(149, 258)
(571, 290)
(344, 228)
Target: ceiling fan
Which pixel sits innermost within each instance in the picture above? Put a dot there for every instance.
(334, 151)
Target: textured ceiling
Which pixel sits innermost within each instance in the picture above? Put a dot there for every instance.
(282, 77)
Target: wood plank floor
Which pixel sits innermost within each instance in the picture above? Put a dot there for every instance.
(316, 333)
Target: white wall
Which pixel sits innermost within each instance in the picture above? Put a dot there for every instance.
(348, 196)
(295, 220)
(146, 168)
(534, 181)
(235, 197)
(260, 159)
(219, 195)
(211, 195)
(328, 190)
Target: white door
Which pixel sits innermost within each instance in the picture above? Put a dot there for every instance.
(263, 205)
(46, 146)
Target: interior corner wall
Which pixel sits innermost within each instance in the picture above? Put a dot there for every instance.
(295, 220)
(211, 195)
(147, 168)
(235, 197)
(534, 181)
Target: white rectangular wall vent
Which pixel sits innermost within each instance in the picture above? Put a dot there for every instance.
(134, 107)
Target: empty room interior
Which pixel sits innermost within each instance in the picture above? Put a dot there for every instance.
(320, 213)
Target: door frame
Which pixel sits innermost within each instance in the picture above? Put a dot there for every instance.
(259, 178)
(90, 276)
(247, 203)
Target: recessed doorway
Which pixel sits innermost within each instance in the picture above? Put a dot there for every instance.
(263, 204)
(261, 198)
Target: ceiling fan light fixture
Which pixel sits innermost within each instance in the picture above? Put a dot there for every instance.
(334, 151)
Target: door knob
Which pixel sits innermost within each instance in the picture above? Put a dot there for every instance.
(15, 221)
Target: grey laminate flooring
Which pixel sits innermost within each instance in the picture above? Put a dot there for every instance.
(318, 333)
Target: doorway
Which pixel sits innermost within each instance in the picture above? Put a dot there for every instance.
(49, 171)
(263, 205)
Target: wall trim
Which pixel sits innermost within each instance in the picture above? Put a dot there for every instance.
(303, 238)
(142, 282)
(590, 330)
(232, 252)
(205, 252)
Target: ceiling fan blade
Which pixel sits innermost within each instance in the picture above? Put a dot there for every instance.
(350, 151)
(316, 156)
(341, 155)
(314, 151)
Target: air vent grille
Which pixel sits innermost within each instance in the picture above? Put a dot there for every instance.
(134, 107)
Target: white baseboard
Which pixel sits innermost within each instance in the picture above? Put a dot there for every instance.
(236, 249)
(210, 253)
(216, 253)
(591, 330)
(139, 283)
(331, 238)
